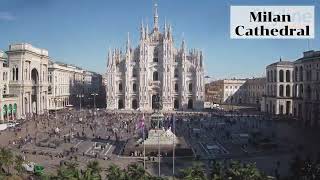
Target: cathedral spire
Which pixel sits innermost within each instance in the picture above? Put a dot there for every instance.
(183, 44)
(170, 32)
(128, 43)
(142, 31)
(165, 28)
(155, 18)
(147, 31)
(109, 58)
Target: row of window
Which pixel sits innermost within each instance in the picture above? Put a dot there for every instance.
(134, 104)
(231, 87)
(134, 87)
(155, 74)
(298, 75)
(4, 76)
(272, 76)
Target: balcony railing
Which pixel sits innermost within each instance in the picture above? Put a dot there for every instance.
(154, 83)
(9, 95)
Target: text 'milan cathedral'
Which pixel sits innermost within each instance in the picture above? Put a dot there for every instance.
(139, 77)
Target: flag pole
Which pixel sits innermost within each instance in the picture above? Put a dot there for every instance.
(173, 152)
(159, 147)
(144, 147)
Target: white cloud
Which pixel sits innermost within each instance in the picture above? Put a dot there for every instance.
(6, 16)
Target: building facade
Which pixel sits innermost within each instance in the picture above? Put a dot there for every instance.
(60, 78)
(31, 84)
(278, 92)
(8, 102)
(69, 85)
(29, 77)
(236, 91)
(227, 91)
(306, 88)
(293, 88)
(254, 90)
(213, 92)
(155, 69)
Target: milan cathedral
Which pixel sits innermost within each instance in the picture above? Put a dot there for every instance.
(155, 71)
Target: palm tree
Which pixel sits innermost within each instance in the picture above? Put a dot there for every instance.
(244, 172)
(93, 171)
(18, 164)
(136, 172)
(6, 159)
(14, 177)
(216, 171)
(115, 173)
(193, 173)
(68, 172)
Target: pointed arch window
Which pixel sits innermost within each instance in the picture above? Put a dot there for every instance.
(281, 76)
(176, 73)
(155, 76)
(155, 55)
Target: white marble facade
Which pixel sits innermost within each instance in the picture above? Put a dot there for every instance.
(29, 77)
(155, 68)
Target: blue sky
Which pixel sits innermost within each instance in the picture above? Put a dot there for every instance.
(81, 31)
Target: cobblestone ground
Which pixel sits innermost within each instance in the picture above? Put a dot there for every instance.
(219, 135)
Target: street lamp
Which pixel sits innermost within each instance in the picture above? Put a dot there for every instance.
(94, 100)
(55, 104)
(80, 96)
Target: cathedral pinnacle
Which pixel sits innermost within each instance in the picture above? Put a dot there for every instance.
(156, 18)
(128, 43)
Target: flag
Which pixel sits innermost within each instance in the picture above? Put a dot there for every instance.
(171, 122)
(140, 124)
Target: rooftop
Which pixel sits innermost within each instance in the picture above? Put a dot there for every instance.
(28, 47)
(309, 56)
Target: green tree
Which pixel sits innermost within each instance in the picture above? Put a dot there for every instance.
(193, 173)
(115, 173)
(136, 172)
(216, 171)
(69, 171)
(18, 161)
(93, 171)
(238, 171)
(6, 159)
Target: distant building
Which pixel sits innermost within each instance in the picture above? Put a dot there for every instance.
(236, 91)
(226, 91)
(254, 89)
(69, 84)
(213, 92)
(62, 84)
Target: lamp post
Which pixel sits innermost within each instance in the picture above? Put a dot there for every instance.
(94, 100)
(56, 100)
(80, 96)
(158, 103)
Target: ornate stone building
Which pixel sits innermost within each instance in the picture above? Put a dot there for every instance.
(306, 88)
(293, 88)
(29, 77)
(8, 101)
(154, 69)
(69, 85)
(278, 89)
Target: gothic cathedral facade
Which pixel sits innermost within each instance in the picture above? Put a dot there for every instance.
(155, 70)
